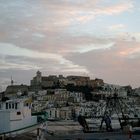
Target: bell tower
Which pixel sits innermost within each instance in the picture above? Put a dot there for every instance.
(38, 77)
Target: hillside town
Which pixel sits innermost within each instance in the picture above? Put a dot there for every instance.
(64, 99)
(67, 97)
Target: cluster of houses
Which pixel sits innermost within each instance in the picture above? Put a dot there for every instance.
(61, 104)
(49, 93)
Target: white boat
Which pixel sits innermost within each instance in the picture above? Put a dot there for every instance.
(16, 117)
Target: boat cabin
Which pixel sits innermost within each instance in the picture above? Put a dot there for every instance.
(16, 114)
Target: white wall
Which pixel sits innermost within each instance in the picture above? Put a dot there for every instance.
(23, 123)
(4, 121)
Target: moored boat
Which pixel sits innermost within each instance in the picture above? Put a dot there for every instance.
(16, 117)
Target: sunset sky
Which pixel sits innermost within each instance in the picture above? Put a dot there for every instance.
(96, 38)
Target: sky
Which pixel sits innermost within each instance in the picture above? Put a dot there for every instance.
(96, 38)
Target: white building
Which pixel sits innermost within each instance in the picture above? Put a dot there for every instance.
(63, 113)
(78, 96)
(16, 114)
(53, 113)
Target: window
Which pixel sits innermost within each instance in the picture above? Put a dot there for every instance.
(18, 113)
(9, 106)
(55, 114)
(15, 105)
(65, 115)
(50, 112)
(6, 105)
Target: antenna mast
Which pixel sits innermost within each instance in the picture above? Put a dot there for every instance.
(12, 82)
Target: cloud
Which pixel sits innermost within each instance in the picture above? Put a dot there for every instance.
(131, 51)
(19, 77)
(58, 13)
(21, 66)
(13, 57)
(93, 47)
(4, 82)
(116, 27)
(116, 9)
(37, 35)
(119, 64)
(44, 25)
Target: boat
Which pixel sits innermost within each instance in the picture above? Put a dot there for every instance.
(16, 117)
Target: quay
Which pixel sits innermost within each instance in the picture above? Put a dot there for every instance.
(68, 130)
(81, 136)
